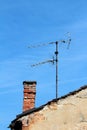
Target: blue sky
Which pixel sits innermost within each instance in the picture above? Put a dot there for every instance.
(28, 22)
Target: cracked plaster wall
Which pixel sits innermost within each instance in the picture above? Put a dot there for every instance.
(69, 113)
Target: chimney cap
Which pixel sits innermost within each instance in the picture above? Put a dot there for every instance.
(29, 82)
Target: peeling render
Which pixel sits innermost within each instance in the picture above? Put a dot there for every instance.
(68, 113)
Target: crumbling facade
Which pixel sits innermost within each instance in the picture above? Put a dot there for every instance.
(66, 113)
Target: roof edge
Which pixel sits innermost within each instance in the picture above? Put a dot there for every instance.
(54, 100)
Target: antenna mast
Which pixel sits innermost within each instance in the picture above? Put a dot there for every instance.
(54, 59)
(56, 53)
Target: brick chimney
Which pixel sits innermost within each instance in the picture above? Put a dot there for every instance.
(29, 95)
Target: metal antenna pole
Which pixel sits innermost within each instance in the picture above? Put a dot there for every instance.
(56, 53)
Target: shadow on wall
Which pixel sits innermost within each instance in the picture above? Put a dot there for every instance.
(18, 125)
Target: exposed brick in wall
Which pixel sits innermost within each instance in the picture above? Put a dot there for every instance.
(29, 95)
(66, 114)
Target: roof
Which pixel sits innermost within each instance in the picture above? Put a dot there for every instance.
(48, 103)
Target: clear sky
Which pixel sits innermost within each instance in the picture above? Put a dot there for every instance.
(29, 22)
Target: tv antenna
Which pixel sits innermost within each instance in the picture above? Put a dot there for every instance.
(54, 60)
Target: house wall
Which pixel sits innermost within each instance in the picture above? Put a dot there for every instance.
(69, 113)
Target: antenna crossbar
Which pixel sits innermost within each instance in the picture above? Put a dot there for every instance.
(40, 45)
(43, 62)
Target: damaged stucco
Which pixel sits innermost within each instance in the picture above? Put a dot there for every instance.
(68, 113)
